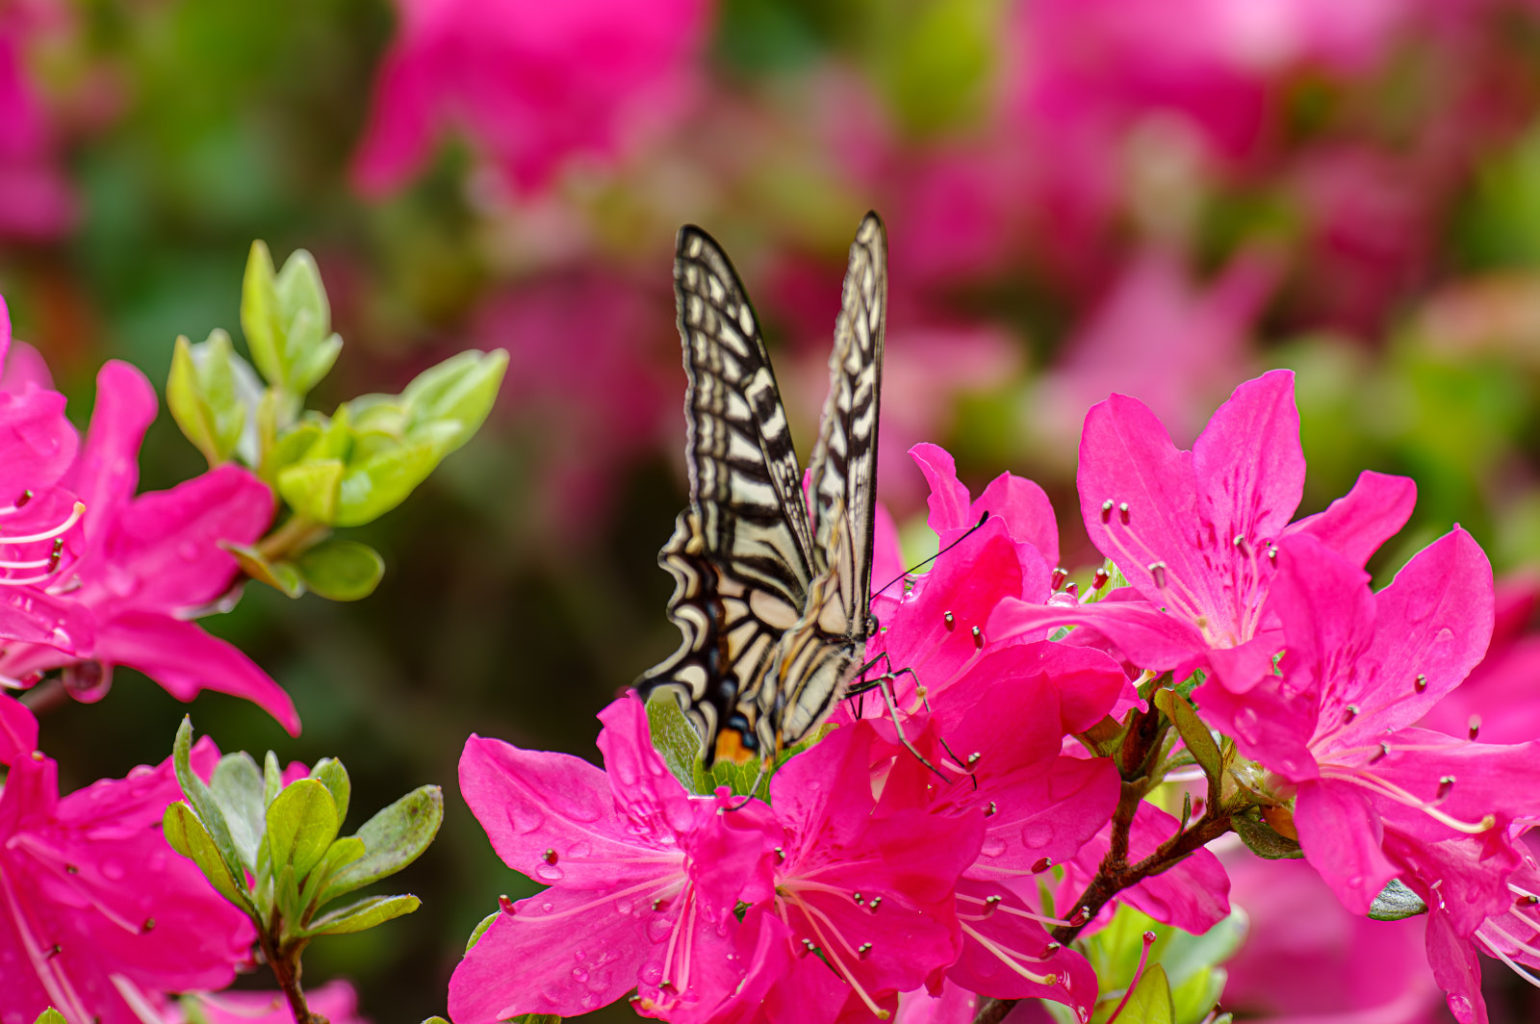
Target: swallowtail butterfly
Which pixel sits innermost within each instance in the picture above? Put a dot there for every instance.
(772, 600)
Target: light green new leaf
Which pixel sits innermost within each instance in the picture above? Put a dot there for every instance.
(331, 774)
(1199, 741)
(340, 570)
(260, 314)
(205, 395)
(366, 913)
(382, 481)
(1150, 1002)
(237, 788)
(187, 836)
(481, 929)
(460, 391)
(52, 1016)
(301, 824)
(201, 800)
(676, 740)
(280, 575)
(312, 488)
(392, 839)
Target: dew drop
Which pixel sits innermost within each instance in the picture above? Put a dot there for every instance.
(113, 871)
(993, 847)
(549, 873)
(1246, 723)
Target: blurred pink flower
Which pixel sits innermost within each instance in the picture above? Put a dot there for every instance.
(334, 1001)
(1161, 337)
(147, 562)
(593, 375)
(98, 917)
(536, 86)
(35, 200)
(1358, 968)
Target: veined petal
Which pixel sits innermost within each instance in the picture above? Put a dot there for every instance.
(562, 951)
(1457, 970)
(18, 730)
(1042, 811)
(553, 817)
(1342, 836)
(1248, 461)
(1193, 896)
(184, 660)
(643, 787)
(1006, 952)
(1027, 512)
(108, 469)
(168, 542)
(1356, 524)
(1143, 634)
(950, 506)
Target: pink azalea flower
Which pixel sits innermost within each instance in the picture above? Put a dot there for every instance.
(536, 86)
(1500, 699)
(1376, 798)
(335, 1001)
(1162, 337)
(35, 200)
(1195, 531)
(640, 874)
(98, 916)
(147, 562)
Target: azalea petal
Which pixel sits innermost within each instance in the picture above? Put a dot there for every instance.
(1145, 635)
(950, 507)
(168, 542)
(1356, 524)
(185, 660)
(24, 366)
(37, 443)
(553, 817)
(1465, 878)
(1327, 612)
(1341, 836)
(954, 1005)
(1483, 778)
(1127, 458)
(1266, 726)
(108, 469)
(1248, 460)
(18, 730)
(1457, 970)
(644, 789)
(1433, 621)
(1043, 812)
(1006, 952)
(562, 952)
(400, 126)
(28, 615)
(1027, 512)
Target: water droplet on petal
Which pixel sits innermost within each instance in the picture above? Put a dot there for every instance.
(87, 681)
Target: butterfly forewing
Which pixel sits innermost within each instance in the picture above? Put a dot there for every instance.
(772, 606)
(844, 464)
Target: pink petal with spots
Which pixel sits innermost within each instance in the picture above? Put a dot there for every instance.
(1356, 524)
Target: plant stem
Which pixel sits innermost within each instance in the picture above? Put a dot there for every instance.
(296, 534)
(286, 971)
(1115, 874)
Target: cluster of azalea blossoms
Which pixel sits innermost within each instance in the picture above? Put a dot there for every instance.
(93, 575)
(1220, 637)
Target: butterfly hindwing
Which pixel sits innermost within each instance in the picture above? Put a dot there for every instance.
(771, 603)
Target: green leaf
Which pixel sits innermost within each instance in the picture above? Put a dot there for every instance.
(52, 1016)
(291, 446)
(272, 778)
(1396, 902)
(201, 800)
(382, 481)
(459, 391)
(205, 397)
(343, 851)
(310, 349)
(1192, 999)
(392, 839)
(435, 1020)
(187, 836)
(536, 1018)
(301, 824)
(366, 913)
(675, 739)
(312, 488)
(481, 929)
(340, 570)
(1150, 1001)
(237, 788)
(259, 314)
(1200, 742)
(1263, 840)
(281, 576)
(331, 774)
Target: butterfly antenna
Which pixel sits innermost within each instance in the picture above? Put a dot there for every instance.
(909, 572)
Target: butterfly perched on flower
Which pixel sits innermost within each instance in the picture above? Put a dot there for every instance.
(771, 586)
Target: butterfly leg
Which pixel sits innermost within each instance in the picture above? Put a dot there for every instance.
(878, 683)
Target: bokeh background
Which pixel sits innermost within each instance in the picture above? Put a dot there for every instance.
(1159, 197)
